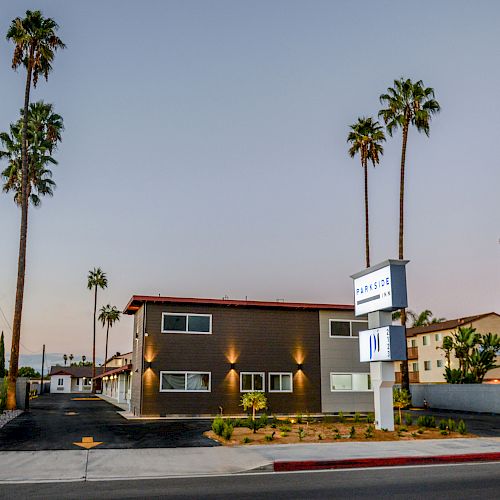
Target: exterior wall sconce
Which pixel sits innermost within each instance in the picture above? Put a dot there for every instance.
(233, 366)
(148, 364)
(300, 366)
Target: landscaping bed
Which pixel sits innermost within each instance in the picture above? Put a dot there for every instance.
(232, 432)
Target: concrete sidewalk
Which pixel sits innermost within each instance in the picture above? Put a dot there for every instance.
(102, 464)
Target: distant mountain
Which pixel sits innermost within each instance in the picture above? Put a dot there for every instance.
(51, 359)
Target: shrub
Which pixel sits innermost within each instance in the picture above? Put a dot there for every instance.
(273, 426)
(3, 395)
(227, 431)
(462, 428)
(301, 433)
(285, 428)
(284, 434)
(369, 432)
(413, 434)
(247, 440)
(218, 425)
(264, 419)
(403, 428)
(397, 419)
(255, 425)
(370, 418)
(299, 418)
(337, 435)
(452, 425)
(357, 418)
(420, 431)
(352, 432)
(443, 424)
(443, 432)
(427, 421)
(270, 437)
(408, 419)
(320, 437)
(341, 417)
(239, 422)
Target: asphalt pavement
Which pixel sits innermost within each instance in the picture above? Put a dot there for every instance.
(455, 482)
(56, 421)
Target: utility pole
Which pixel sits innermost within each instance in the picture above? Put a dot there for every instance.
(43, 362)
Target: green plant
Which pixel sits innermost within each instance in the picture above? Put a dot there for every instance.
(427, 421)
(299, 418)
(370, 418)
(443, 432)
(218, 425)
(413, 434)
(352, 432)
(341, 417)
(462, 428)
(247, 440)
(408, 419)
(401, 399)
(270, 437)
(3, 395)
(337, 435)
(302, 433)
(256, 401)
(273, 426)
(443, 424)
(284, 434)
(227, 431)
(369, 431)
(264, 419)
(452, 425)
(357, 418)
(403, 428)
(285, 428)
(420, 431)
(320, 437)
(397, 419)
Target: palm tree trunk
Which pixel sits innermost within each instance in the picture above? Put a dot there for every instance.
(93, 343)
(405, 376)
(21, 263)
(106, 355)
(367, 230)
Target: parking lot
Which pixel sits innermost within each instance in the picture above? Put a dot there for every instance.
(56, 421)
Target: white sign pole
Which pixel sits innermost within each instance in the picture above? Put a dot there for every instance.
(382, 378)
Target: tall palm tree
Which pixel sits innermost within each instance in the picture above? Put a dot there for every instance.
(96, 279)
(35, 43)
(65, 357)
(407, 104)
(71, 357)
(108, 315)
(366, 137)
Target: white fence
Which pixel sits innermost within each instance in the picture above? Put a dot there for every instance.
(483, 398)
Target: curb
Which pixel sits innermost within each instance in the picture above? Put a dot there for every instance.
(353, 463)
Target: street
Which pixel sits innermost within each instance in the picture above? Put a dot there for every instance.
(466, 481)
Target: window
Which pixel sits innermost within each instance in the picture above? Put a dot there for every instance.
(350, 382)
(185, 381)
(60, 381)
(413, 342)
(186, 323)
(251, 382)
(438, 337)
(425, 340)
(427, 365)
(439, 363)
(414, 367)
(346, 328)
(280, 382)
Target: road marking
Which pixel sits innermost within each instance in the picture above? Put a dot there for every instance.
(85, 399)
(88, 442)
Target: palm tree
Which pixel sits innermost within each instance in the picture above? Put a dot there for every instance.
(96, 279)
(83, 359)
(70, 357)
(65, 357)
(108, 315)
(366, 137)
(35, 42)
(408, 104)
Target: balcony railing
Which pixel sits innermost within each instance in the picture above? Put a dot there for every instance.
(412, 352)
(414, 377)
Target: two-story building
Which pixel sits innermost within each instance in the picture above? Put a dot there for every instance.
(198, 356)
(426, 361)
(116, 380)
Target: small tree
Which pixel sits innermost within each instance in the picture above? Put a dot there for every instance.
(401, 399)
(2, 357)
(255, 400)
(28, 371)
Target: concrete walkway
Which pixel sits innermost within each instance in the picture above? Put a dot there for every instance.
(102, 464)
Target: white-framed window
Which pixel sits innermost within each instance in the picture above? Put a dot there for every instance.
(60, 381)
(427, 365)
(413, 342)
(414, 367)
(438, 337)
(252, 382)
(425, 340)
(439, 363)
(178, 381)
(280, 382)
(352, 382)
(341, 328)
(186, 323)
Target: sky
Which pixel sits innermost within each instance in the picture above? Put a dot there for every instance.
(204, 154)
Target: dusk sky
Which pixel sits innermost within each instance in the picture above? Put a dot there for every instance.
(204, 154)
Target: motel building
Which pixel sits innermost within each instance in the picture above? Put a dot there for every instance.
(197, 357)
(426, 362)
(71, 379)
(116, 380)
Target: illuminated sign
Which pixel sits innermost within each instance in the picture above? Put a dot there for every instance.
(387, 343)
(380, 288)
